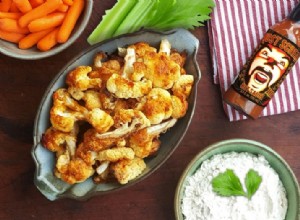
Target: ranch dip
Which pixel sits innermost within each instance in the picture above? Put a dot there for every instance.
(201, 203)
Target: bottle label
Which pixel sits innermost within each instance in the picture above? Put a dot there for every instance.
(267, 68)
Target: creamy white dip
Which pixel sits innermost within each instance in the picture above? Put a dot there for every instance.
(201, 203)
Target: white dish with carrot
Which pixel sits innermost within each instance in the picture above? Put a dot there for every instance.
(34, 29)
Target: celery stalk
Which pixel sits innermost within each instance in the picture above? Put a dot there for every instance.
(137, 17)
(111, 21)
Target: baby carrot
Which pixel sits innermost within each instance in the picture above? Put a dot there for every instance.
(14, 8)
(31, 39)
(35, 3)
(40, 11)
(49, 21)
(11, 25)
(63, 8)
(5, 5)
(49, 41)
(68, 2)
(70, 21)
(11, 15)
(23, 5)
(10, 36)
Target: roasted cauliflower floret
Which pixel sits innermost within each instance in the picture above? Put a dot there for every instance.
(105, 71)
(179, 105)
(115, 154)
(128, 121)
(75, 171)
(161, 70)
(98, 58)
(165, 47)
(180, 59)
(158, 105)
(93, 141)
(58, 141)
(144, 142)
(79, 79)
(124, 88)
(100, 120)
(65, 111)
(92, 99)
(142, 48)
(183, 86)
(129, 61)
(126, 170)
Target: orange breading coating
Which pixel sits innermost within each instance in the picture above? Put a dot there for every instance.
(126, 170)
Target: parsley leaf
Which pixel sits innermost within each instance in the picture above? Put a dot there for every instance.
(252, 182)
(228, 184)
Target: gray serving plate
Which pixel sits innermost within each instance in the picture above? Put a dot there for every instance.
(52, 187)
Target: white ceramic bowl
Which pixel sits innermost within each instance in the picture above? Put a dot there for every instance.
(285, 173)
(12, 50)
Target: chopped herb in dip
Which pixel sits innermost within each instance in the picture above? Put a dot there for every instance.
(234, 186)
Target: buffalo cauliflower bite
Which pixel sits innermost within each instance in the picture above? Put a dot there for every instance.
(122, 86)
(165, 47)
(158, 105)
(65, 111)
(79, 78)
(75, 171)
(183, 86)
(126, 170)
(122, 103)
(100, 120)
(142, 48)
(161, 70)
(115, 154)
(92, 99)
(180, 106)
(144, 142)
(125, 88)
(58, 141)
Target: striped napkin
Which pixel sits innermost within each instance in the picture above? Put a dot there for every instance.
(235, 29)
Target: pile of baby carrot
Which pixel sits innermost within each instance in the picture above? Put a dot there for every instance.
(40, 23)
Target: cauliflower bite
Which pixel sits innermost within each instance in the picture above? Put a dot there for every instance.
(111, 114)
(100, 120)
(65, 111)
(75, 171)
(158, 105)
(79, 78)
(115, 154)
(126, 170)
(183, 86)
(124, 88)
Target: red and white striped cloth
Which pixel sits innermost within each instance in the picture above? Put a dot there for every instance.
(235, 29)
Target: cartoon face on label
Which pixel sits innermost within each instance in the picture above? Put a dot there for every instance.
(269, 64)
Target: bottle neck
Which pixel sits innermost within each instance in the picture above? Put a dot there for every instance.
(295, 14)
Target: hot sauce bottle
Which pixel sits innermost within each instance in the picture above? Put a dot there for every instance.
(267, 67)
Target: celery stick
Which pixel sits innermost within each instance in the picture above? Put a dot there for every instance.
(110, 21)
(137, 17)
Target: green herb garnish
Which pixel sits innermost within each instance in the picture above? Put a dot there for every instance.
(228, 184)
(127, 16)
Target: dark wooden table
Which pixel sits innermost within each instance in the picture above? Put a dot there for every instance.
(22, 84)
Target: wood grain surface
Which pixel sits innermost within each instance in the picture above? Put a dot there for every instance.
(22, 85)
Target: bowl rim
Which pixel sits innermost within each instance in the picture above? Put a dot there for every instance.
(180, 186)
(62, 71)
(56, 50)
